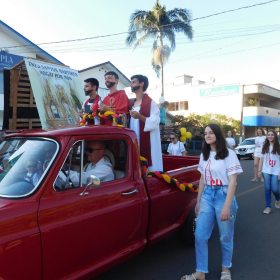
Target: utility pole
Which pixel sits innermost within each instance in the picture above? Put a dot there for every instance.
(241, 123)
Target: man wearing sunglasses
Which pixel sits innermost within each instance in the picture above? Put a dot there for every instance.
(99, 165)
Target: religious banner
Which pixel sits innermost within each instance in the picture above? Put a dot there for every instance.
(58, 93)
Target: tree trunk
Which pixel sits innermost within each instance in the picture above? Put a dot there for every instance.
(162, 80)
(162, 70)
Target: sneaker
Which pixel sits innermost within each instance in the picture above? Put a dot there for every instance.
(267, 210)
(277, 204)
(254, 180)
(225, 275)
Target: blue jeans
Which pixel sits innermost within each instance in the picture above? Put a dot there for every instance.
(271, 184)
(211, 205)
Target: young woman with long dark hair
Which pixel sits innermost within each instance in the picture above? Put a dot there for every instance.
(270, 169)
(219, 167)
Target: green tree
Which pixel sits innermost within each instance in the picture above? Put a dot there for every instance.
(195, 122)
(159, 25)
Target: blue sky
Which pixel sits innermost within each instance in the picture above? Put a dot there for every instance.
(241, 46)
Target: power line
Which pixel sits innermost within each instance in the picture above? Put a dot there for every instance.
(237, 9)
(201, 55)
(121, 33)
(218, 35)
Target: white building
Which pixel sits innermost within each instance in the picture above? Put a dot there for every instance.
(98, 71)
(13, 48)
(256, 105)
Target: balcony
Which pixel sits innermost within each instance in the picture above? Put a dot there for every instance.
(261, 116)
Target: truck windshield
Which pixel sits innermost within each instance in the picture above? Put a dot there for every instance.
(23, 164)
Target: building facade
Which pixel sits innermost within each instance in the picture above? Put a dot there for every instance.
(98, 71)
(14, 47)
(255, 105)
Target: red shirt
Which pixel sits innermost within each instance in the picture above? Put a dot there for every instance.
(118, 101)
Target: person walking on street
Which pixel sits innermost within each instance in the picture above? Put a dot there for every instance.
(258, 151)
(219, 167)
(270, 170)
(230, 140)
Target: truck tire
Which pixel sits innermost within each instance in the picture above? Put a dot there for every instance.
(188, 229)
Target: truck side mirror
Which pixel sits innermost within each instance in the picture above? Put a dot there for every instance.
(93, 181)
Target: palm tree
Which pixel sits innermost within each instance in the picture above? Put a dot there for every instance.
(161, 26)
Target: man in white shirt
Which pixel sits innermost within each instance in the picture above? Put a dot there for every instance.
(176, 148)
(145, 118)
(98, 165)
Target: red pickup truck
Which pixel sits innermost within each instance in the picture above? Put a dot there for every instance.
(51, 228)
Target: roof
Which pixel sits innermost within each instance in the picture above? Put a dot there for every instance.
(25, 42)
(111, 67)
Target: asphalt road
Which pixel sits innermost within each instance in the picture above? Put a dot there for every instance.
(256, 251)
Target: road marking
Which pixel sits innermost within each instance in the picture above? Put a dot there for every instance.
(249, 191)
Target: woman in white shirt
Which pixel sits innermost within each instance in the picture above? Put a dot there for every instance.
(219, 167)
(270, 170)
(230, 140)
(175, 147)
(258, 151)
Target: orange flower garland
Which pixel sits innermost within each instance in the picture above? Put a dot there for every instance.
(110, 115)
(88, 118)
(183, 186)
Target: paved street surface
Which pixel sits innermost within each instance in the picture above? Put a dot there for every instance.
(257, 245)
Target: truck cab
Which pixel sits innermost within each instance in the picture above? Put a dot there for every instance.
(53, 227)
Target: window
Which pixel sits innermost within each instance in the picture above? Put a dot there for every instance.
(23, 164)
(70, 174)
(106, 160)
(178, 106)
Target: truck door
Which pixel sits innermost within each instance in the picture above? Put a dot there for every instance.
(89, 228)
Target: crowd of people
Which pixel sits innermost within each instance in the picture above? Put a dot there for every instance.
(218, 165)
(141, 114)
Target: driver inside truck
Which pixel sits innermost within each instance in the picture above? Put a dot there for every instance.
(98, 165)
(32, 174)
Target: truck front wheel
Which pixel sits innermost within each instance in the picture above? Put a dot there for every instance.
(188, 229)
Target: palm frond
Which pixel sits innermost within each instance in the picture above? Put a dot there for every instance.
(180, 21)
(185, 28)
(169, 34)
(143, 38)
(140, 22)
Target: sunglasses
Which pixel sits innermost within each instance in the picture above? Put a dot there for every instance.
(172, 138)
(91, 150)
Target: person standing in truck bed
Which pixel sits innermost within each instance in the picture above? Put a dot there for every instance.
(144, 120)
